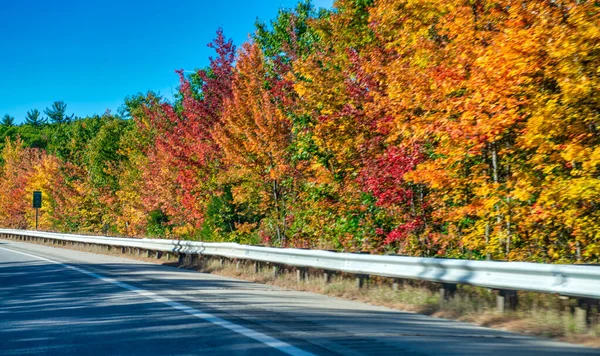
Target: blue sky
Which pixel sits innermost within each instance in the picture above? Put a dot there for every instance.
(93, 53)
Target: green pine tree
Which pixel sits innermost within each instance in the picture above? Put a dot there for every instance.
(8, 120)
(34, 118)
(58, 113)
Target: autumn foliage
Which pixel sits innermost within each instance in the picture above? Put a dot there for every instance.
(452, 128)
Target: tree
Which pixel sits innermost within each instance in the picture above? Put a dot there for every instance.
(33, 118)
(185, 134)
(254, 135)
(58, 113)
(331, 129)
(21, 164)
(8, 120)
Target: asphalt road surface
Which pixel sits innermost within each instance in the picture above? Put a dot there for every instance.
(62, 302)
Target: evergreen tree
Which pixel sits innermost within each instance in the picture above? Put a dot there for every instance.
(8, 120)
(34, 118)
(58, 113)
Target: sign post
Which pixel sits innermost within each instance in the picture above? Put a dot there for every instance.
(37, 204)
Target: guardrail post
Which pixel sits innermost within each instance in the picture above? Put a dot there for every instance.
(581, 315)
(594, 317)
(276, 270)
(584, 311)
(301, 274)
(500, 303)
(181, 259)
(397, 283)
(506, 299)
(158, 255)
(327, 275)
(447, 292)
(361, 280)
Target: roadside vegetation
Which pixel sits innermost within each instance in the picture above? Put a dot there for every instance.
(461, 129)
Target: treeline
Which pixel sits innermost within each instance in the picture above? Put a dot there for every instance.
(430, 128)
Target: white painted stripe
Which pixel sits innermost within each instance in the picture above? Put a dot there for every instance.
(265, 339)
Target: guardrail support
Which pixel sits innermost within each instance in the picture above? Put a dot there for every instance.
(581, 315)
(361, 280)
(447, 292)
(301, 274)
(586, 312)
(506, 299)
(397, 283)
(276, 270)
(327, 275)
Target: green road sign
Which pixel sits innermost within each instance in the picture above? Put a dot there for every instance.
(37, 199)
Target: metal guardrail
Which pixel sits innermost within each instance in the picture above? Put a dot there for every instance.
(581, 281)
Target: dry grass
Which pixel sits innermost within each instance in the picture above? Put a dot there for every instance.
(538, 314)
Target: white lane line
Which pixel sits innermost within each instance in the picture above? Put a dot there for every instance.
(265, 339)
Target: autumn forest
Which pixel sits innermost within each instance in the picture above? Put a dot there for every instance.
(454, 128)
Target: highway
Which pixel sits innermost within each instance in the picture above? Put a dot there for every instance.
(63, 302)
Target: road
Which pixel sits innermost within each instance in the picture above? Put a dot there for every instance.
(63, 302)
